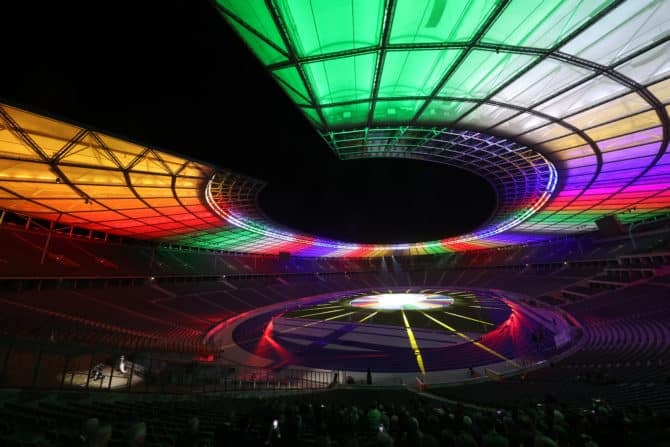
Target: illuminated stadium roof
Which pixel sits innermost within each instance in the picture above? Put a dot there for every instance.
(561, 105)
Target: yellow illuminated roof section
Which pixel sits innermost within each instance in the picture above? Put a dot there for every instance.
(61, 172)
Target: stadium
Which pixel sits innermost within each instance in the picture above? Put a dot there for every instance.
(149, 296)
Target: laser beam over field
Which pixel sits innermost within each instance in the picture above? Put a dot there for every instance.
(367, 317)
(476, 343)
(413, 343)
(320, 313)
(338, 316)
(314, 323)
(469, 318)
(295, 328)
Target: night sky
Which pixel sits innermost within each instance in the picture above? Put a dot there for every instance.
(173, 76)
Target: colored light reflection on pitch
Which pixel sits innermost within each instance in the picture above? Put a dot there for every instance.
(402, 301)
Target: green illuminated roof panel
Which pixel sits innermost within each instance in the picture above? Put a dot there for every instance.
(430, 21)
(541, 24)
(342, 79)
(396, 111)
(326, 26)
(264, 51)
(346, 115)
(291, 81)
(414, 73)
(257, 16)
(483, 72)
(227, 239)
(313, 116)
(295, 97)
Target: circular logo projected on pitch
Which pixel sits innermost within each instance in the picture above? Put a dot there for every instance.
(404, 301)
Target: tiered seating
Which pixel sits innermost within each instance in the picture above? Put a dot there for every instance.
(623, 359)
(173, 310)
(55, 423)
(75, 255)
(34, 323)
(579, 270)
(71, 255)
(624, 275)
(129, 312)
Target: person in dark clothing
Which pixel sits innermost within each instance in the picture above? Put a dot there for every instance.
(190, 437)
(87, 432)
(97, 372)
(369, 377)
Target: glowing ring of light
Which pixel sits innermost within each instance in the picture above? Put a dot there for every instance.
(519, 206)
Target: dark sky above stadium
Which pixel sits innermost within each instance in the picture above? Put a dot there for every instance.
(173, 76)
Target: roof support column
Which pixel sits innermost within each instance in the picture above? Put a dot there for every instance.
(46, 243)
